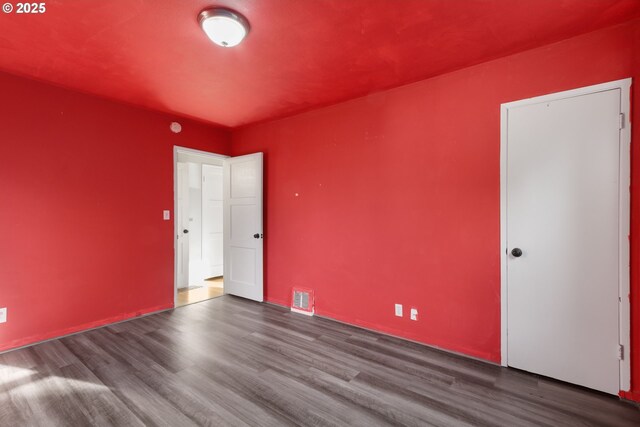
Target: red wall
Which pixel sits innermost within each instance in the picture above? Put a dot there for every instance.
(83, 183)
(395, 198)
(388, 198)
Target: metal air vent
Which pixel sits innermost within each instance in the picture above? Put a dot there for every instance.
(302, 301)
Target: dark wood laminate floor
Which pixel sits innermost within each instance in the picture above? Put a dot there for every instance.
(228, 361)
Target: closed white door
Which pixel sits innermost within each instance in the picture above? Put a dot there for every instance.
(563, 168)
(243, 238)
(212, 220)
(182, 225)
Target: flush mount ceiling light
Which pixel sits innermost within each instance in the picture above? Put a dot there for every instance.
(224, 27)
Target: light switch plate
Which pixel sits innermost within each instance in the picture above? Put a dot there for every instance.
(166, 215)
(3, 315)
(399, 310)
(414, 314)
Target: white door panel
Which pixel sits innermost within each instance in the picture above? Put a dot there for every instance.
(243, 243)
(212, 223)
(243, 265)
(213, 251)
(243, 222)
(182, 221)
(196, 265)
(563, 213)
(243, 179)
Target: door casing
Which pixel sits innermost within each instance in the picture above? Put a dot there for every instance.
(624, 215)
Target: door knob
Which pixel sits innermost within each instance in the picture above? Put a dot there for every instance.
(185, 231)
(516, 252)
(257, 236)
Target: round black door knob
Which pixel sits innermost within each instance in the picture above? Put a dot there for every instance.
(516, 252)
(256, 236)
(185, 231)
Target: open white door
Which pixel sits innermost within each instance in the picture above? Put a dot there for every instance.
(242, 204)
(182, 225)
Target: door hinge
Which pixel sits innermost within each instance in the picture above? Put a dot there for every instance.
(620, 352)
(621, 124)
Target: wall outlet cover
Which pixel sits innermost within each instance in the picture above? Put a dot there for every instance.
(3, 315)
(399, 310)
(166, 215)
(414, 314)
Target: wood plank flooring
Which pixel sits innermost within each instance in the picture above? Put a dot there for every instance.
(228, 361)
(210, 288)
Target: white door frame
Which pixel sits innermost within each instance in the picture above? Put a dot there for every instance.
(624, 214)
(176, 151)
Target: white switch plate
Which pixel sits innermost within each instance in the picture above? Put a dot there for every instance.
(399, 310)
(414, 314)
(166, 215)
(3, 315)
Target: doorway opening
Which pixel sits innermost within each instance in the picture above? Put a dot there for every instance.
(218, 226)
(199, 226)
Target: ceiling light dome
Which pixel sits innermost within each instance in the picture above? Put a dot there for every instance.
(224, 27)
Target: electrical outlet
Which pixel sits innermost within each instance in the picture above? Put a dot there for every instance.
(3, 315)
(399, 310)
(414, 314)
(166, 215)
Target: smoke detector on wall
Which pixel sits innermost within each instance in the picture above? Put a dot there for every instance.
(175, 127)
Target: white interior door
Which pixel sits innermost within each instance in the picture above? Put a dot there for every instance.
(563, 172)
(212, 223)
(182, 225)
(243, 239)
(195, 224)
